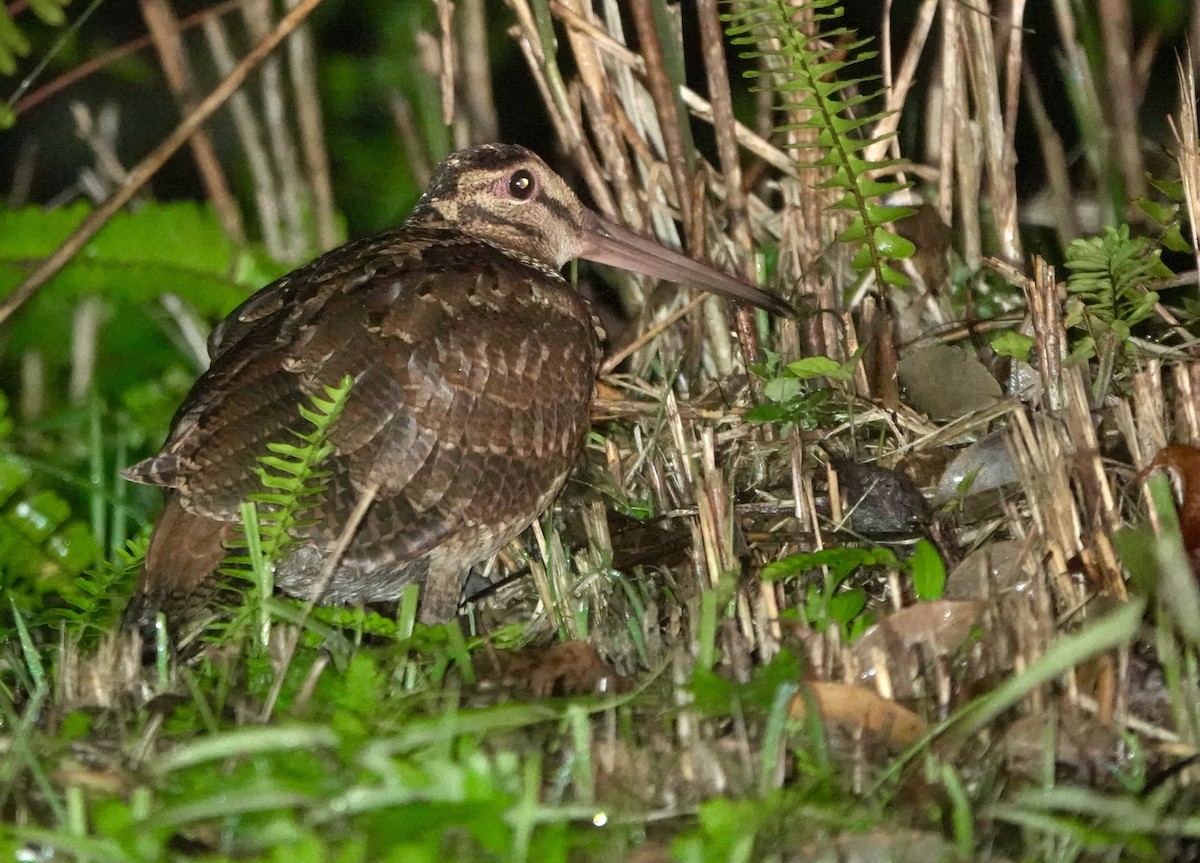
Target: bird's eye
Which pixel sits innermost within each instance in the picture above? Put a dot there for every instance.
(521, 185)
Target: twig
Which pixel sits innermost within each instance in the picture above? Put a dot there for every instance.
(1012, 72)
(365, 499)
(649, 335)
(1187, 153)
(415, 155)
(85, 327)
(999, 157)
(146, 169)
(68, 33)
(1054, 157)
(598, 99)
(896, 90)
(538, 46)
(83, 70)
(446, 64)
(697, 105)
(1116, 27)
(22, 177)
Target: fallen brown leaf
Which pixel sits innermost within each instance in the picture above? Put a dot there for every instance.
(860, 707)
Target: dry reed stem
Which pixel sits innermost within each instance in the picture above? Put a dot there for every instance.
(999, 156)
(172, 55)
(1188, 150)
(1148, 412)
(250, 136)
(896, 86)
(447, 66)
(600, 109)
(1054, 158)
(146, 169)
(1123, 100)
(412, 143)
(538, 44)
(478, 100)
(1044, 300)
(292, 190)
(663, 91)
(1187, 403)
(302, 68)
(948, 105)
(1011, 35)
(1041, 452)
(697, 105)
(625, 102)
(1095, 502)
(736, 205)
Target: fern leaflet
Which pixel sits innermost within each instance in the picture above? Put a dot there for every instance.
(819, 90)
(1108, 281)
(293, 478)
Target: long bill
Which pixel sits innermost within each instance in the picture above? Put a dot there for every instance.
(606, 242)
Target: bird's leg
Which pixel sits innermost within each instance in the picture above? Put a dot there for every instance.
(443, 587)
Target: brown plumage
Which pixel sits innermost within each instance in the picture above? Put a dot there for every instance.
(473, 364)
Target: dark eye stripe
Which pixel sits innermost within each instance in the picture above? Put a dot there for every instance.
(477, 213)
(557, 209)
(480, 214)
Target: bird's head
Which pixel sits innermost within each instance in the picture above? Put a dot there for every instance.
(507, 197)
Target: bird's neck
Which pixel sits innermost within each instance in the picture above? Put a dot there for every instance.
(437, 228)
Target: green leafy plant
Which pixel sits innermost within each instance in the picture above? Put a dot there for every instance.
(825, 89)
(1010, 343)
(138, 256)
(834, 602)
(791, 391)
(90, 607)
(1108, 287)
(43, 548)
(1168, 216)
(14, 43)
(124, 272)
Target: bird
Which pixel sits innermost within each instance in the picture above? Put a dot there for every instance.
(472, 363)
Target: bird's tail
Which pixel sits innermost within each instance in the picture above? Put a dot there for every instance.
(179, 575)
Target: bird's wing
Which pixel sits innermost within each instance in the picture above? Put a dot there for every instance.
(468, 400)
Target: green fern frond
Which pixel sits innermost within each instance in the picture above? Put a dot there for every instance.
(50, 561)
(1109, 276)
(293, 478)
(820, 88)
(291, 473)
(91, 608)
(1170, 216)
(43, 548)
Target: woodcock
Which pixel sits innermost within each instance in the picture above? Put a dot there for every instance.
(473, 366)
